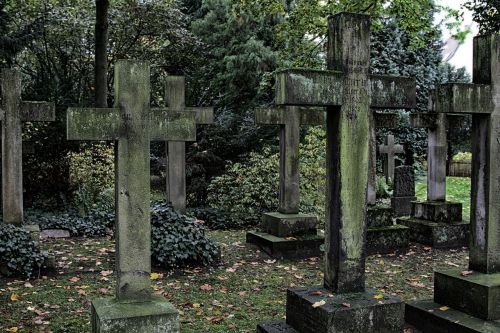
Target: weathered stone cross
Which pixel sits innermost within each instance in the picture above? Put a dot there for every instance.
(13, 112)
(390, 150)
(132, 124)
(289, 118)
(349, 92)
(437, 149)
(176, 150)
(473, 298)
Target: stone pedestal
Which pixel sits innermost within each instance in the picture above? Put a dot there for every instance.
(437, 223)
(383, 236)
(154, 316)
(288, 236)
(352, 312)
(34, 231)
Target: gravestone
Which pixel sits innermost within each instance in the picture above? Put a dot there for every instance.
(383, 235)
(469, 300)
(390, 149)
(13, 112)
(436, 221)
(403, 190)
(175, 90)
(348, 92)
(132, 124)
(288, 233)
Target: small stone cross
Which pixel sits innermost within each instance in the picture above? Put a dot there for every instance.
(390, 150)
(176, 150)
(13, 112)
(132, 124)
(289, 118)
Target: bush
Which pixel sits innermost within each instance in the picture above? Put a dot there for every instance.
(462, 157)
(383, 189)
(215, 219)
(91, 177)
(177, 240)
(19, 254)
(95, 224)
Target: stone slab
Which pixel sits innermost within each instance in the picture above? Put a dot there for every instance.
(342, 313)
(283, 248)
(379, 216)
(55, 233)
(438, 235)
(427, 317)
(278, 326)
(387, 239)
(153, 316)
(476, 294)
(437, 211)
(284, 225)
(402, 205)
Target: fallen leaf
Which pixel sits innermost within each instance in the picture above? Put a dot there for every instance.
(156, 276)
(346, 305)
(467, 273)
(106, 273)
(378, 296)
(12, 330)
(444, 308)
(206, 287)
(74, 279)
(14, 297)
(318, 304)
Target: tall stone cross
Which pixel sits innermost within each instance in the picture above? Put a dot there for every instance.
(13, 112)
(348, 91)
(437, 149)
(289, 118)
(482, 100)
(132, 124)
(390, 149)
(176, 150)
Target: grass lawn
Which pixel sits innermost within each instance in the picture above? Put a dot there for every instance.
(457, 189)
(247, 288)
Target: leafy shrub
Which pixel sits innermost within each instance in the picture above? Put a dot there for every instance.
(462, 157)
(95, 224)
(215, 219)
(177, 240)
(383, 189)
(250, 188)
(19, 254)
(91, 177)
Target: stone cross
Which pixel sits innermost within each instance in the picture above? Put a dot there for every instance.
(176, 150)
(132, 124)
(13, 112)
(437, 149)
(348, 91)
(482, 100)
(390, 150)
(289, 118)
(377, 120)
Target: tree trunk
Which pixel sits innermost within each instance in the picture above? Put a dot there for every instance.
(101, 60)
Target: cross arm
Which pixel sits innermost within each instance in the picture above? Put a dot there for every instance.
(397, 149)
(170, 125)
(462, 98)
(93, 124)
(386, 119)
(325, 88)
(203, 115)
(38, 111)
(429, 120)
(278, 116)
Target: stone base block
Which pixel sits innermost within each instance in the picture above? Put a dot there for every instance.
(154, 316)
(284, 225)
(429, 317)
(402, 205)
(387, 239)
(477, 294)
(34, 231)
(287, 248)
(342, 313)
(439, 235)
(379, 216)
(279, 326)
(437, 211)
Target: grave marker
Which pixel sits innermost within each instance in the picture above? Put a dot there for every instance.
(132, 124)
(348, 92)
(473, 298)
(404, 190)
(13, 112)
(176, 150)
(390, 149)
